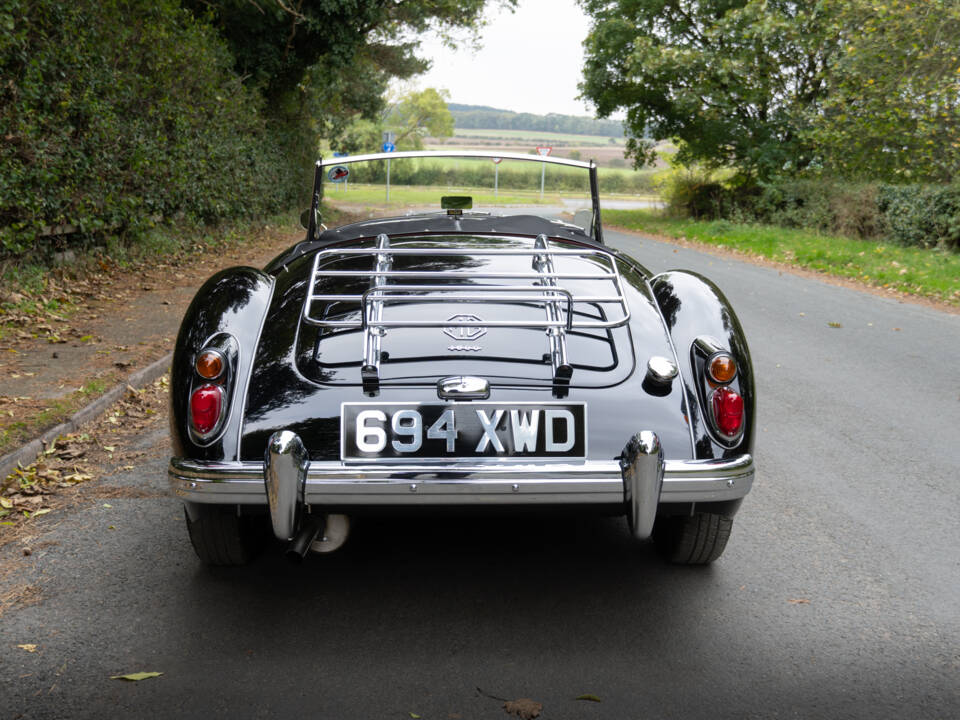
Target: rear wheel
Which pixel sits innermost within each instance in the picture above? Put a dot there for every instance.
(221, 536)
(697, 539)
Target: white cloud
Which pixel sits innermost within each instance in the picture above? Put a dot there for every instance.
(530, 61)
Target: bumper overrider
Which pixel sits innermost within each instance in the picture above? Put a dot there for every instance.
(287, 481)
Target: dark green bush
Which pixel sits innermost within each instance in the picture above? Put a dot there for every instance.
(918, 215)
(115, 115)
(922, 215)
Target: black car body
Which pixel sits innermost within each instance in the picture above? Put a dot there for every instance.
(459, 360)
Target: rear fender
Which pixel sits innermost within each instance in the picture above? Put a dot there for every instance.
(693, 307)
(228, 313)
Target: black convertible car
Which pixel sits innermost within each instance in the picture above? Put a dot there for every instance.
(458, 360)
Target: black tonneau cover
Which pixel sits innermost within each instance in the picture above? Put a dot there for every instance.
(467, 224)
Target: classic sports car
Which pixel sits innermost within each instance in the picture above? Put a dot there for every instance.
(458, 360)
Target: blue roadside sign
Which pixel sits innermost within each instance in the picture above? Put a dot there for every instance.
(389, 147)
(340, 154)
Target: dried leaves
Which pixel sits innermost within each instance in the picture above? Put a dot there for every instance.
(136, 677)
(72, 459)
(524, 708)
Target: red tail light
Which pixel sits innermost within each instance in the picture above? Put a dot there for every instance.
(206, 404)
(728, 411)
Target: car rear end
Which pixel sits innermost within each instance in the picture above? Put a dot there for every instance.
(460, 370)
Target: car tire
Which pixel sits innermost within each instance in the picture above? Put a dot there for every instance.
(697, 539)
(222, 537)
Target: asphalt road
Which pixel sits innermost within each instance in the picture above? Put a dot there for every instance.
(837, 596)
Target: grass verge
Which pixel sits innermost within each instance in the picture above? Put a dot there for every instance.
(932, 274)
(53, 412)
(418, 195)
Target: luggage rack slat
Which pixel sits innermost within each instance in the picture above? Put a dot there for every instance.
(389, 288)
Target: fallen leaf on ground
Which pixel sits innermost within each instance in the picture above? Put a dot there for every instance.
(136, 677)
(798, 601)
(523, 708)
(588, 696)
(29, 647)
(834, 324)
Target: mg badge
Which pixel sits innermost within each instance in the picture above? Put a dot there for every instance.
(465, 333)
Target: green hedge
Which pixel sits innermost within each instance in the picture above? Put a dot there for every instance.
(481, 174)
(114, 115)
(915, 215)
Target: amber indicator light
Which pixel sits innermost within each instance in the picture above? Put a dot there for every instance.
(723, 368)
(209, 364)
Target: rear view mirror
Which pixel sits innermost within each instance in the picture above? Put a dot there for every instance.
(456, 202)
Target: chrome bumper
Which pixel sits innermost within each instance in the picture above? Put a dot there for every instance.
(631, 482)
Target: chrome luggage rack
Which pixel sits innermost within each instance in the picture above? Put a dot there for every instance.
(393, 288)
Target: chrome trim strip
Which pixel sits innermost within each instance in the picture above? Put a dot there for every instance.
(345, 159)
(507, 483)
(243, 384)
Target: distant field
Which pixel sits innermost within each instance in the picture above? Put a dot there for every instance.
(458, 163)
(537, 137)
(405, 195)
(512, 175)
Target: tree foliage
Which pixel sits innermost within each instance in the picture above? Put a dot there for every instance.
(857, 88)
(114, 114)
(419, 114)
(330, 60)
(732, 80)
(118, 114)
(893, 110)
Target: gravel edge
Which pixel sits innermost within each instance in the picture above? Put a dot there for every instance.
(26, 454)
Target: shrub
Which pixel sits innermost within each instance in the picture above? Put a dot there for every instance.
(922, 215)
(117, 114)
(693, 193)
(918, 215)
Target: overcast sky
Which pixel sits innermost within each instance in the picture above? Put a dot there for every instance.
(530, 61)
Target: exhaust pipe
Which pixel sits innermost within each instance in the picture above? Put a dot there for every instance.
(310, 528)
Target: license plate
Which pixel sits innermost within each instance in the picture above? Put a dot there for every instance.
(465, 430)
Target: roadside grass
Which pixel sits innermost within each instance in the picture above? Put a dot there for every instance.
(36, 288)
(55, 412)
(926, 273)
(419, 195)
(408, 195)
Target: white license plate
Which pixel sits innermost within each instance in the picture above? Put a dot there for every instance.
(462, 430)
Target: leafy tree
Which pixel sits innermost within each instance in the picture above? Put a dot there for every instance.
(732, 80)
(332, 58)
(893, 110)
(412, 117)
(419, 114)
